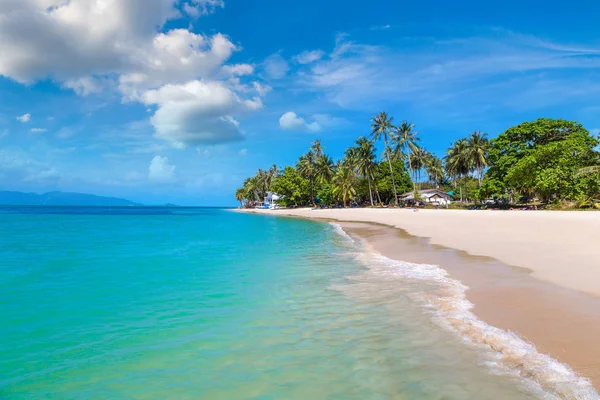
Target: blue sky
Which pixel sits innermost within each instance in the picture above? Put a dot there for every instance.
(177, 101)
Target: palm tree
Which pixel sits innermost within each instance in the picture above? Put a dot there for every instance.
(344, 182)
(382, 128)
(307, 168)
(435, 170)
(477, 150)
(316, 148)
(271, 174)
(251, 188)
(417, 161)
(240, 195)
(324, 169)
(406, 143)
(457, 161)
(365, 161)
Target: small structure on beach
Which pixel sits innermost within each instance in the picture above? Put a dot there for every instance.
(429, 196)
(270, 200)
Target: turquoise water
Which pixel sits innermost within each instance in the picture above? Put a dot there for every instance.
(212, 304)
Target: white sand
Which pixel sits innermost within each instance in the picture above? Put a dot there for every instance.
(559, 247)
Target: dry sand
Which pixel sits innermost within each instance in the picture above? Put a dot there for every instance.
(533, 273)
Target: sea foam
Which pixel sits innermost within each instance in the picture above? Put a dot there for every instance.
(503, 352)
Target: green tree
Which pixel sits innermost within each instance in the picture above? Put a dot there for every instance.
(344, 182)
(477, 150)
(240, 195)
(458, 163)
(383, 180)
(417, 161)
(364, 159)
(550, 171)
(307, 168)
(293, 187)
(317, 148)
(324, 169)
(405, 138)
(382, 128)
(540, 158)
(435, 170)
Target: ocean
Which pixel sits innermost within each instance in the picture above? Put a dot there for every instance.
(206, 303)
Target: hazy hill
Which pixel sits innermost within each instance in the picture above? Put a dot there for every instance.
(60, 199)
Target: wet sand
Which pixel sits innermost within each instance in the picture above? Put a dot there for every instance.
(561, 322)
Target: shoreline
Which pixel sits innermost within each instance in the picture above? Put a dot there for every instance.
(560, 247)
(560, 321)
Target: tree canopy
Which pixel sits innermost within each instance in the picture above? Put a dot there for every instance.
(547, 160)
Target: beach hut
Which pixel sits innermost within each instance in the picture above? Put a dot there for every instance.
(271, 200)
(430, 196)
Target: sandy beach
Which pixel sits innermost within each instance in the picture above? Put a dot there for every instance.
(558, 247)
(533, 273)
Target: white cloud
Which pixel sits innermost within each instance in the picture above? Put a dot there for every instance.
(15, 166)
(291, 121)
(198, 113)
(261, 90)
(243, 152)
(72, 39)
(428, 71)
(179, 56)
(307, 57)
(275, 66)
(160, 170)
(38, 130)
(86, 85)
(196, 8)
(328, 121)
(24, 118)
(90, 46)
(380, 27)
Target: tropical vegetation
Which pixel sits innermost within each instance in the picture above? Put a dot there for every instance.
(547, 161)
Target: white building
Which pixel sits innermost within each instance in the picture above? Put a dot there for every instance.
(429, 196)
(271, 200)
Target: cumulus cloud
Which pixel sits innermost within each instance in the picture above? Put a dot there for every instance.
(90, 46)
(160, 170)
(72, 39)
(24, 118)
(275, 66)
(198, 113)
(307, 57)
(38, 130)
(179, 56)
(291, 121)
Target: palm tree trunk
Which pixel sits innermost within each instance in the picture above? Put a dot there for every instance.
(480, 170)
(370, 191)
(377, 193)
(410, 167)
(392, 173)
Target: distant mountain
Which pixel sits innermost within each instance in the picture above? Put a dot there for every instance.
(60, 199)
